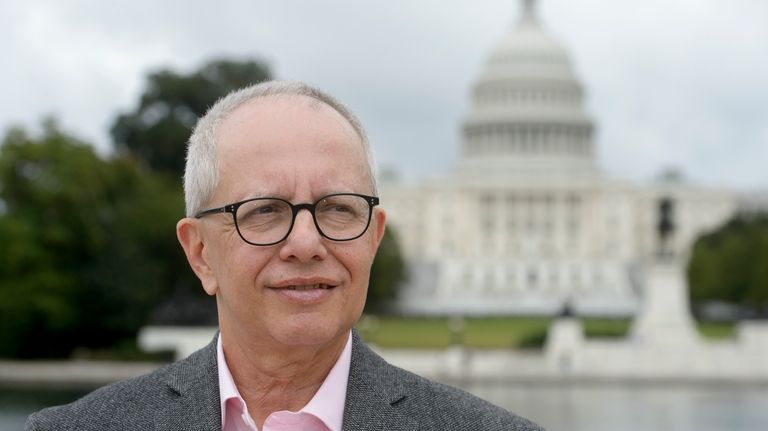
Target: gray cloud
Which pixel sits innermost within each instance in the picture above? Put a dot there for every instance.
(670, 82)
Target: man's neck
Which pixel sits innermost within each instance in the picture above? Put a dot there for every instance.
(270, 379)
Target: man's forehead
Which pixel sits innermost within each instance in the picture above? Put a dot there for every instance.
(280, 114)
(282, 124)
(283, 135)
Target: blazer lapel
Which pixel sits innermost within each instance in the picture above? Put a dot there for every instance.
(373, 392)
(194, 387)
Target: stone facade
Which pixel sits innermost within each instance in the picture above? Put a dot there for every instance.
(526, 222)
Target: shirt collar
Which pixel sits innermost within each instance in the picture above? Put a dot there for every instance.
(227, 388)
(327, 404)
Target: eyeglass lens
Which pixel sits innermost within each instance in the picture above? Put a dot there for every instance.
(338, 217)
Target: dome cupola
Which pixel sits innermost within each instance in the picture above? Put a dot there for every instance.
(527, 105)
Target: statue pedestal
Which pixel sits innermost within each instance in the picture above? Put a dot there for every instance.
(665, 318)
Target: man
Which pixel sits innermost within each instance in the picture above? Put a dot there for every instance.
(282, 227)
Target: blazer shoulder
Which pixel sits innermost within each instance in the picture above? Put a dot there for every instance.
(132, 403)
(443, 406)
(106, 407)
(433, 405)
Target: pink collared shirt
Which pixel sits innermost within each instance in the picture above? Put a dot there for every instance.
(324, 412)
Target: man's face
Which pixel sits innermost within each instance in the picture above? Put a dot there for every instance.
(297, 149)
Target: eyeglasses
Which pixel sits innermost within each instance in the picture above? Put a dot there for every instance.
(268, 221)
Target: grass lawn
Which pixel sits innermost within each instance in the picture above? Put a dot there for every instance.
(717, 330)
(505, 332)
(497, 332)
(402, 332)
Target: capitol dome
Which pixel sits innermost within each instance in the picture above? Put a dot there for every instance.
(527, 105)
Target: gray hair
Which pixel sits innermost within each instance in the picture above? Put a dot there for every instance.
(201, 173)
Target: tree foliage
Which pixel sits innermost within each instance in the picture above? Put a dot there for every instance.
(730, 265)
(86, 244)
(387, 273)
(156, 132)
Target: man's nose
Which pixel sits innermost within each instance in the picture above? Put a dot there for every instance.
(304, 243)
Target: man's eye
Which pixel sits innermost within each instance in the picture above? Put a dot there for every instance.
(341, 208)
(266, 209)
(337, 209)
(258, 212)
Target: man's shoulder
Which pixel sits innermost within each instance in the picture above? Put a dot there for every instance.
(447, 407)
(433, 405)
(111, 406)
(133, 403)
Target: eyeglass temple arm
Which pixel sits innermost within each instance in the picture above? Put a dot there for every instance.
(224, 209)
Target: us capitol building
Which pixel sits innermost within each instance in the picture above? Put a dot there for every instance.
(526, 223)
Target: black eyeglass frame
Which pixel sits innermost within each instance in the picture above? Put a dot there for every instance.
(232, 209)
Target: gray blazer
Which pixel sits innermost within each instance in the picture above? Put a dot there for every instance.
(185, 396)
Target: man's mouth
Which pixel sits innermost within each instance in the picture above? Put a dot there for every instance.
(304, 292)
(309, 286)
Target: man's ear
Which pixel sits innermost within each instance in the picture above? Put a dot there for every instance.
(190, 235)
(379, 225)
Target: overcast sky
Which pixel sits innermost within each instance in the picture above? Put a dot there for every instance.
(680, 83)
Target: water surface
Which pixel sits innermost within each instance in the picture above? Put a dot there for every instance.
(634, 407)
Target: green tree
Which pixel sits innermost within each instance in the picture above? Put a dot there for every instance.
(730, 265)
(82, 244)
(387, 273)
(156, 132)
